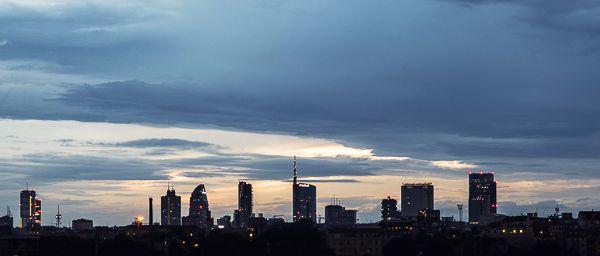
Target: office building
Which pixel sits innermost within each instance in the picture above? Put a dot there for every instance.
(482, 196)
(244, 210)
(337, 215)
(199, 214)
(389, 209)
(304, 199)
(30, 209)
(170, 208)
(416, 197)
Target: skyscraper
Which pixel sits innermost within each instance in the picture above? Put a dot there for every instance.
(30, 209)
(170, 208)
(416, 197)
(482, 196)
(244, 210)
(199, 214)
(389, 208)
(304, 199)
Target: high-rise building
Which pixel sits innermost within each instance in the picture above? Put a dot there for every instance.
(416, 197)
(244, 210)
(337, 215)
(31, 209)
(304, 199)
(170, 208)
(389, 209)
(199, 214)
(482, 196)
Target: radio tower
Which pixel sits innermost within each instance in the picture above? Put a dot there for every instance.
(460, 211)
(58, 218)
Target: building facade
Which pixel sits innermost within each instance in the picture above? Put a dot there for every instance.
(199, 213)
(482, 196)
(30, 210)
(389, 209)
(337, 215)
(245, 201)
(304, 199)
(170, 208)
(416, 197)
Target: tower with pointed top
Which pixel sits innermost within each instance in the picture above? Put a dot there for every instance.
(30, 209)
(304, 199)
(6, 220)
(58, 218)
(170, 208)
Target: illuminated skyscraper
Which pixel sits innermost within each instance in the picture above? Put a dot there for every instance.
(416, 197)
(482, 196)
(199, 214)
(244, 210)
(199, 202)
(304, 199)
(170, 208)
(30, 209)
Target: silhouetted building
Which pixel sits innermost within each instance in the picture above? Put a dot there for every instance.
(482, 196)
(170, 208)
(199, 214)
(30, 209)
(6, 221)
(416, 197)
(150, 212)
(389, 209)
(276, 220)
(589, 220)
(244, 210)
(82, 224)
(337, 215)
(304, 199)
(224, 222)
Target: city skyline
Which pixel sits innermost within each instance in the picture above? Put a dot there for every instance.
(415, 199)
(104, 103)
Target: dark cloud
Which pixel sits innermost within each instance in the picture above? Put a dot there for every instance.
(571, 16)
(44, 168)
(475, 126)
(152, 143)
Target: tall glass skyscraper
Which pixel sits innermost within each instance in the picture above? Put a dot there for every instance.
(199, 204)
(30, 209)
(170, 208)
(416, 197)
(245, 200)
(482, 196)
(304, 199)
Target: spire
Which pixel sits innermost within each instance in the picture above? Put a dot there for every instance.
(295, 172)
(8, 213)
(58, 218)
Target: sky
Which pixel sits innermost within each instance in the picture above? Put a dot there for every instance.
(103, 102)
